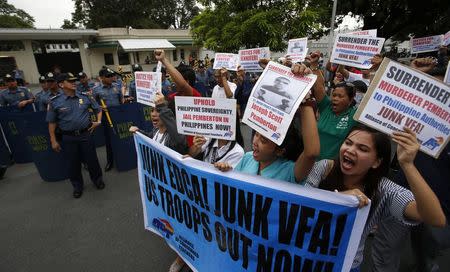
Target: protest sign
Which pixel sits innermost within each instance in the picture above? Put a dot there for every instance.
(355, 50)
(403, 97)
(426, 44)
(237, 222)
(368, 32)
(274, 100)
(446, 40)
(209, 117)
(297, 49)
(248, 58)
(227, 61)
(447, 74)
(147, 85)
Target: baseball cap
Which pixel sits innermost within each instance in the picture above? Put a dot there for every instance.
(50, 77)
(106, 72)
(41, 79)
(66, 76)
(136, 67)
(81, 74)
(9, 78)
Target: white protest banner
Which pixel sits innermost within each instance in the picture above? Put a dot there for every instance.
(355, 51)
(147, 85)
(426, 44)
(209, 117)
(274, 100)
(446, 40)
(248, 58)
(297, 49)
(226, 60)
(403, 97)
(447, 74)
(369, 32)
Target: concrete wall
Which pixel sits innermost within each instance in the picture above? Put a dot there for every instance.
(25, 61)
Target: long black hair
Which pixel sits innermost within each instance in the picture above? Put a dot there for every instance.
(382, 143)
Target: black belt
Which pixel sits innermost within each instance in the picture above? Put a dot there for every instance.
(75, 132)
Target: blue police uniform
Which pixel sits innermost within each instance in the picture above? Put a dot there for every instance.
(39, 99)
(132, 89)
(45, 98)
(10, 97)
(81, 88)
(72, 114)
(112, 96)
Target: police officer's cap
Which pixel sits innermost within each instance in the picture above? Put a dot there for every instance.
(50, 77)
(9, 78)
(81, 74)
(136, 67)
(106, 72)
(41, 79)
(66, 76)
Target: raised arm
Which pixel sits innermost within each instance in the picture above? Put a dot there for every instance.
(341, 69)
(183, 87)
(426, 206)
(318, 88)
(310, 136)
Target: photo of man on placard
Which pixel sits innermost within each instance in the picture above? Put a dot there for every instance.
(297, 48)
(275, 91)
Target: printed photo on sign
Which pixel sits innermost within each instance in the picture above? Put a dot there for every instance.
(399, 97)
(209, 117)
(274, 100)
(297, 49)
(426, 44)
(242, 222)
(355, 50)
(147, 85)
(226, 60)
(249, 58)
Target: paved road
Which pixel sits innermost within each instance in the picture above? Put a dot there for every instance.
(42, 228)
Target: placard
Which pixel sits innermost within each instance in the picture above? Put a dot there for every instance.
(209, 117)
(226, 60)
(147, 85)
(355, 50)
(447, 74)
(446, 40)
(401, 97)
(249, 58)
(297, 49)
(426, 44)
(274, 100)
(368, 32)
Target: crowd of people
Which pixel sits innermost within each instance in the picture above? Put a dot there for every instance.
(324, 147)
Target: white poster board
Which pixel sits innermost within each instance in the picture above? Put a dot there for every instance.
(274, 101)
(147, 85)
(401, 97)
(249, 58)
(209, 117)
(446, 40)
(226, 60)
(368, 32)
(355, 51)
(297, 49)
(426, 44)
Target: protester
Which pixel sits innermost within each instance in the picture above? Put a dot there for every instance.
(108, 94)
(216, 150)
(244, 87)
(15, 97)
(166, 85)
(366, 75)
(360, 90)
(361, 170)
(70, 112)
(284, 162)
(164, 127)
(224, 88)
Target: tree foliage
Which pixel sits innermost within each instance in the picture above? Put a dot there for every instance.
(227, 25)
(67, 24)
(134, 13)
(398, 19)
(12, 17)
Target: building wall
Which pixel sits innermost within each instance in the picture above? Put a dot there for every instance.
(25, 61)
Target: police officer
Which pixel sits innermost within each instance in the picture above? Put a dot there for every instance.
(53, 90)
(15, 96)
(70, 111)
(108, 94)
(42, 94)
(132, 86)
(85, 85)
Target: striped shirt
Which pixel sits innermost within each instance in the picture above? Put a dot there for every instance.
(392, 200)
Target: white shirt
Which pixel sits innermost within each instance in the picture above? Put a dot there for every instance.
(354, 77)
(219, 92)
(160, 137)
(232, 157)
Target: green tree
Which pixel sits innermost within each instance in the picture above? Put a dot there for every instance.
(398, 19)
(11, 17)
(134, 13)
(67, 24)
(227, 25)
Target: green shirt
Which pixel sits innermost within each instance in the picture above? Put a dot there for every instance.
(333, 128)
